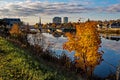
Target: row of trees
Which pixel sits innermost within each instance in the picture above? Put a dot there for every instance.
(63, 25)
(73, 24)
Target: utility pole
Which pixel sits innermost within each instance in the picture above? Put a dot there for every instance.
(40, 25)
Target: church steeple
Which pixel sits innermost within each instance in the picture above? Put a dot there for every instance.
(40, 24)
(39, 20)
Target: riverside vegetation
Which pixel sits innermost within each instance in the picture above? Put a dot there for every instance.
(22, 61)
(18, 64)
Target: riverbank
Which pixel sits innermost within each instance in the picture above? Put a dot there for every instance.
(19, 64)
(31, 64)
(110, 31)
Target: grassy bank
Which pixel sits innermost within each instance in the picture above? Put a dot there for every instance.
(18, 64)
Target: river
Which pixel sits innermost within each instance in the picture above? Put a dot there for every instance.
(110, 45)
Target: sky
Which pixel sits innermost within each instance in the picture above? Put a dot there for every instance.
(29, 11)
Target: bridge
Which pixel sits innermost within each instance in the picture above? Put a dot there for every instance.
(58, 30)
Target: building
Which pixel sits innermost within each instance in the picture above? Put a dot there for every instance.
(65, 20)
(115, 25)
(11, 21)
(57, 20)
(40, 24)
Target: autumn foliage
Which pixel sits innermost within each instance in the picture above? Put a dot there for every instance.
(85, 42)
(15, 30)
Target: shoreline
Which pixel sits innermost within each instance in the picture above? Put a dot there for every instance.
(109, 31)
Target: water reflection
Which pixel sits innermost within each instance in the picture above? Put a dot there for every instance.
(115, 37)
(47, 40)
(110, 47)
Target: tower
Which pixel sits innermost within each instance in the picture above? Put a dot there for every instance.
(39, 20)
(57, 20)
(65, 20)
(40, 25)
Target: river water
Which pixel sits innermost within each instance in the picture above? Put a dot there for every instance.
(110, 45)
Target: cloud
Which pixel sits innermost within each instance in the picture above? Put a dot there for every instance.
(34, 8)
(113, 8)
(29, 8)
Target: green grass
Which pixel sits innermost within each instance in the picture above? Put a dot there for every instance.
(19, 64)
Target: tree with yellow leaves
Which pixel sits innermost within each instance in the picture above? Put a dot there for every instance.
(15, 30)
(36, 26)
(85, 43)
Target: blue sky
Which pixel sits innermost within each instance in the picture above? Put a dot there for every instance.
(30, 10)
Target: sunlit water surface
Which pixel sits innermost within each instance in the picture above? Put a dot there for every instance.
(110, 47)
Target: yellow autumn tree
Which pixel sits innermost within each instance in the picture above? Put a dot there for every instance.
(15, 30)
(36, 26)
(85, 43)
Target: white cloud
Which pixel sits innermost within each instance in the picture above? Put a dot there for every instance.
(29, 8)
(114, 8)
(33, 8)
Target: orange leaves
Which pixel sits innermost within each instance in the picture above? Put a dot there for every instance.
(68, 47)
(85, 43)
(15, 30)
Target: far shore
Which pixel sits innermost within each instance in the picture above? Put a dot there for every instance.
(110, 30)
